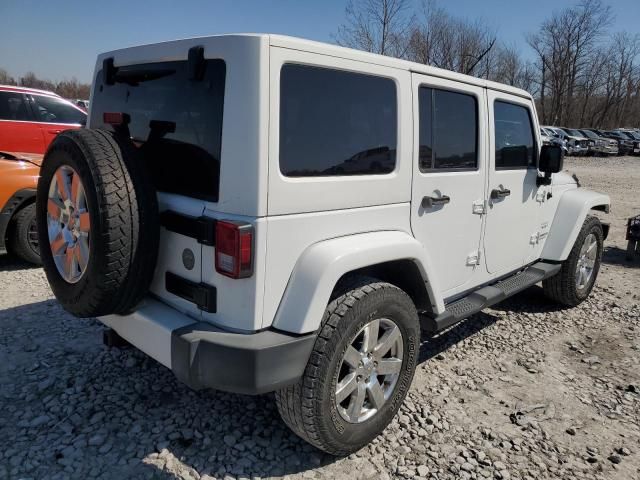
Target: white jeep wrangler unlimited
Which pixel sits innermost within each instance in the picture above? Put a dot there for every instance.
(261, 213)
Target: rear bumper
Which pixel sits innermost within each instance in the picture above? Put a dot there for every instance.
(204, 356)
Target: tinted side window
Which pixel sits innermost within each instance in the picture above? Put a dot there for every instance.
(13, 106)
(448, 130)
(335, 122)
(513, 132)
(56, 110)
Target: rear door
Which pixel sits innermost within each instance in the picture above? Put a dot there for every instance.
(18, 132)
(175, 125)
(54, 115)
(513, 203)
(449, 177)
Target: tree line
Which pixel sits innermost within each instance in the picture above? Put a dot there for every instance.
(581, 73)
(66, 88)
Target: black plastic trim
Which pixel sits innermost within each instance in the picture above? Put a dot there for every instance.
(203, 229)
(10, 208)
(109, 71)
(203, 295)
(196, 63)
(489, 295)
(205, 356)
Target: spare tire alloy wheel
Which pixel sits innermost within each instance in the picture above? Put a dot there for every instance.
(68, 224)
(369, 371)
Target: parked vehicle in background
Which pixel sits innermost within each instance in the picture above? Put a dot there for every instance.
(30, 119)
(601, 145)
(582, 144)
(83, 104)
(574, 145)
(263, 213)
(626, 144)
(554, 138)
(546, 138)
(18, 180)
(635, 136)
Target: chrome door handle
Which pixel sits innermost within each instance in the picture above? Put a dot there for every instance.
(428, 202)
(500, 193)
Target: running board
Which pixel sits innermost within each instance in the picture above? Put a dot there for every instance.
(489, 295)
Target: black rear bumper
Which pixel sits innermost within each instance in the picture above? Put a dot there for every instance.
(203, 356)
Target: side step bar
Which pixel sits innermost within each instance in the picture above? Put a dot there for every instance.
(489, 295)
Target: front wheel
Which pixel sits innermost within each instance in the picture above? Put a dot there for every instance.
(573, 284)
(359, 371)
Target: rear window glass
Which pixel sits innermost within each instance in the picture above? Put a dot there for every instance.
(175, 122)
(334, 122)
(57, 110)
(13, 106)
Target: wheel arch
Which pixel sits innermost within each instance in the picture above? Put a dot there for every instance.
(573, 208)
(392, 256)
(19, 200)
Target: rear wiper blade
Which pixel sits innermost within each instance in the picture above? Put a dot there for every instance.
(138, 75)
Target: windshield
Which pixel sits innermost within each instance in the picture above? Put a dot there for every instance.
(589, 134)
(175, 122)
(573, 133)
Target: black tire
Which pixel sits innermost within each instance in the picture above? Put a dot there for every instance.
(309, 406)
(123, 212)
(21, 241)
(562, 287)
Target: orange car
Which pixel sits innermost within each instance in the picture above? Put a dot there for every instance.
(18, 179)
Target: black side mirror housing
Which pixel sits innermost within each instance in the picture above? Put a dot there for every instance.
(551, 161)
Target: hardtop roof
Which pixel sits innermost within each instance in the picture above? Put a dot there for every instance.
(322, 48)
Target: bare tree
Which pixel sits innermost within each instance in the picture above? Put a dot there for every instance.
(6, 79)
(378, 26)
(441, 40)
(565, 46)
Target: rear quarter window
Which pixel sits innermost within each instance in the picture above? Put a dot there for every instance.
(335, 123)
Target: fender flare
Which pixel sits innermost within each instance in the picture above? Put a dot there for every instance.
(573, 207)
(322, 264)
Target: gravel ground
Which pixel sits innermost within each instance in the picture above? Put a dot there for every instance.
(523, 391)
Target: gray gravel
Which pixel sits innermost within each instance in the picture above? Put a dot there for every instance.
(522, 391)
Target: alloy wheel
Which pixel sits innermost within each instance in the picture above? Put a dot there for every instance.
(369, 370)
(68, 224)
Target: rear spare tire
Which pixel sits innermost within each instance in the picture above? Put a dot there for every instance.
(97, 217)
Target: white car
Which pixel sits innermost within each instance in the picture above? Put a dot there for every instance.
(263, 213)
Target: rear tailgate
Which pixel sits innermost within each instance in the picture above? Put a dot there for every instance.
(175, 124)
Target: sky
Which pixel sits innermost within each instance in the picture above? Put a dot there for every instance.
(60, 39)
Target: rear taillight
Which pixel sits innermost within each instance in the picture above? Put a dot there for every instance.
(234, 249)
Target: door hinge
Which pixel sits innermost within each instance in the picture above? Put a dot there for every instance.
(479, 207)
(473, 259)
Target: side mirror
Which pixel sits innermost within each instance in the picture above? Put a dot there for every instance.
(551, 161)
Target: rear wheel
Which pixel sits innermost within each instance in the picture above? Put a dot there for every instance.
(573, 284)
(24, 236)
(359, 372)
(97, 220)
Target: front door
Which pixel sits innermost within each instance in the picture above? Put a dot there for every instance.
(449, 177)
(513, 203)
